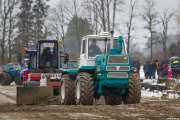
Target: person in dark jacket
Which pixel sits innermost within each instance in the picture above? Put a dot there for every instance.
(138, 64)
(47, 57)
(146, 69)
(175, 66)
(153, 69)
(94, 49)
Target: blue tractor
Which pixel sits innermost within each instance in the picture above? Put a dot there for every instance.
(30, 63)
(11, 74)
(106, 72)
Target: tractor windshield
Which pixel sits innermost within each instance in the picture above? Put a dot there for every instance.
(48, 54)
(101, 46)
(32, 61)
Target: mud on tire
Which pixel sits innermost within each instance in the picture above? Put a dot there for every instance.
(133, 93)
(84, 93)
(112, 100)
(67, 91)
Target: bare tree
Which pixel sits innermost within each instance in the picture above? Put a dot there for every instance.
(150, 16)
(165, 19)
(178, 23)
(103, 13)
(129, 23)
(57, 15)
(7, 26)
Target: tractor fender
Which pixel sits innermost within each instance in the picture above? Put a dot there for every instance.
(72, 73)
(88, 69)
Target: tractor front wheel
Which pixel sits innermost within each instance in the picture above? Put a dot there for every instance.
(84, 93)
(112, 100)
(18, 80)
(67, 90)
(133, 93)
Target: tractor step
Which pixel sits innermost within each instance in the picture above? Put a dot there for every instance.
(33, 95)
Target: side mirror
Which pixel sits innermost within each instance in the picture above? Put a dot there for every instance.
(66, 58)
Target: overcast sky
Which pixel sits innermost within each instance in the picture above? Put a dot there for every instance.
(139, 33)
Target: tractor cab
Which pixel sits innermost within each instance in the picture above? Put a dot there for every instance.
(30, 63)
(93, 45)
(47, 54)
(30, 59)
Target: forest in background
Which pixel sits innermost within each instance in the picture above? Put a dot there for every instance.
(22, 22)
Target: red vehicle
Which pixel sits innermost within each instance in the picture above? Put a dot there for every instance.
(45, 65)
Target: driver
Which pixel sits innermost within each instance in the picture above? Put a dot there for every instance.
(94, 49)
(47, 56)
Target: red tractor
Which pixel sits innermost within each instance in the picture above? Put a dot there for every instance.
(44, 78)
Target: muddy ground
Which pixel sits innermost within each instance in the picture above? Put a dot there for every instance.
(151, 109)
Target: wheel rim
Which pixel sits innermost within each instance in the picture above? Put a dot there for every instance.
(62, 91)
(78, 90)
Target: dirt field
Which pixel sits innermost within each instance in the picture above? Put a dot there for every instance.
(155, 109)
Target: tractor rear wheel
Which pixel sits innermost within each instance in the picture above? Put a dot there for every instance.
(112, 100)
(133, 93)
(3, 79)
(67, 91)
(84, 93)
(9, 78)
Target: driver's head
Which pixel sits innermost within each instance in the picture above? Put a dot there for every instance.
(48, 49)
(94, 42)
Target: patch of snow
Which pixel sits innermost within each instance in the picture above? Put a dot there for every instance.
(157, 94)
(173, 96)
(147, 94)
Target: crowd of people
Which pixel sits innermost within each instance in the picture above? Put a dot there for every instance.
(150, 69)
(164, 69)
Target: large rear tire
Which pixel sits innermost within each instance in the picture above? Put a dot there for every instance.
(9, 79)
(84, 93)
(133, 93)
(112, 100)
(67, 91)
(4, 79)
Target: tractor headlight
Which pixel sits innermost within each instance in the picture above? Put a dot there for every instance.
(98, 69)
(135, 69)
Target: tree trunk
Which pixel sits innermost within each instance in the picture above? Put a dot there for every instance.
(108, 19)
(114, 11)
(103, 15)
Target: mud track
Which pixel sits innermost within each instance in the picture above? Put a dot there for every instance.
(151, 109)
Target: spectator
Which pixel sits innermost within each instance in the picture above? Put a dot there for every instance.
(164, 70)
(146, 69)
(138, 66)
(175, 66)
(153, 69)
(157, 66)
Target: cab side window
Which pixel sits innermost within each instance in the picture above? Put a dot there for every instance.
(83, 47)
